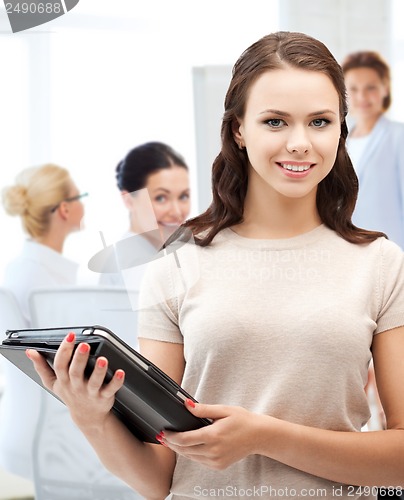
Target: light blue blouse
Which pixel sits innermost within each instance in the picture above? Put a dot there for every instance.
(380, 169)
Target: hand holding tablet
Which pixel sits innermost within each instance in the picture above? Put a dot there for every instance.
(149, 400)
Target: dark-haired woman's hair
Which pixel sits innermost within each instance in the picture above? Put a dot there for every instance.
(133, 171)
(336, 193)
(372, 60)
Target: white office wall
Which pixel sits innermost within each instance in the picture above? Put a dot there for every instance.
(210, 86)
(343, 25)
(396, 59)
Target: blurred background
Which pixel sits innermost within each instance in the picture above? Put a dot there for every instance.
(83, 89)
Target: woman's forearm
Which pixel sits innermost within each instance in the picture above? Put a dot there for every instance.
(90, 403)
(357, 458)
(146, 467)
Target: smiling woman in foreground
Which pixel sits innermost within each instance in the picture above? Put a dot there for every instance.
(274, 329)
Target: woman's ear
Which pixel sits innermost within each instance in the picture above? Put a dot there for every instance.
(63, 210)
(127, 199)
(237, 134)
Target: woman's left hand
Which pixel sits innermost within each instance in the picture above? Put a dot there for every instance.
(231, 437)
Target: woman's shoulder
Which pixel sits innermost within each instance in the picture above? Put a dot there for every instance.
(390, 250)
(385, 254)
(175, 253)
(381, 248)
(393, 126)
(40, 265)
(380, 245)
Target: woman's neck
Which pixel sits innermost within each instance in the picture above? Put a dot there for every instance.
(284, 219)
(55, 242)
(364, 126)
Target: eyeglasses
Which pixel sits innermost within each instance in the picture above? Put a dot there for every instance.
(72, 198)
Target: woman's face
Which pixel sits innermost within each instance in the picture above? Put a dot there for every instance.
(291, 130)
(73, 208)
(366, 93)
(163, 203)
(169, 194)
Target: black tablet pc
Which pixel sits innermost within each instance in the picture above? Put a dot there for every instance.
(148, 402)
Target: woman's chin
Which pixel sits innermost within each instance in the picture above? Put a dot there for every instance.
(167, 230)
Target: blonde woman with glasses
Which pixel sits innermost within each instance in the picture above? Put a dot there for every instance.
(48, 449)
(50, 207)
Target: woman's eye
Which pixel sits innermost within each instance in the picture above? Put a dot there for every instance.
(184, 196)
(320, 122)
(160, 199)
(275, 122)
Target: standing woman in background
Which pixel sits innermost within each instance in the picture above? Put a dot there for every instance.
(49, 204)
(375, 145)
(154, 183)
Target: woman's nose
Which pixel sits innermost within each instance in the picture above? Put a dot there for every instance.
(175, 209)
(299, 141)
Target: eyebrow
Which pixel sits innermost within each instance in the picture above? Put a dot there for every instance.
(283, 113)
(167, 190)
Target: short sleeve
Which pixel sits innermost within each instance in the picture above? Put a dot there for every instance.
(159, 302)
(391, 286)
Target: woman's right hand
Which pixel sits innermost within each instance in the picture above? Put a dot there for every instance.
(88, 399)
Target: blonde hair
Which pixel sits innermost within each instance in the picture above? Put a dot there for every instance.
(35, 192)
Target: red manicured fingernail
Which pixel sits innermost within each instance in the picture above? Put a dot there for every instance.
(190, 403)
(84, 348)
(160, 438)
(101, 363)
(119, 374)
(70, 337)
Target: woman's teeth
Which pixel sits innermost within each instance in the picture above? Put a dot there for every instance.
(295, 168)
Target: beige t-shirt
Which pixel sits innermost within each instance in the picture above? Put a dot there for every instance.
(279, 327)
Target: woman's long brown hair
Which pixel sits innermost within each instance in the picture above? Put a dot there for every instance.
(336, 193)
